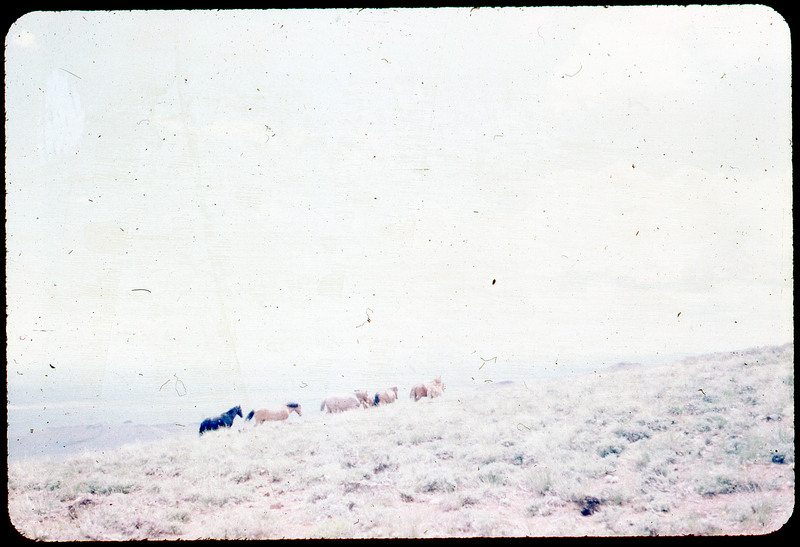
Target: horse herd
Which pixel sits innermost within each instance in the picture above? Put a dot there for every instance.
(359, 399)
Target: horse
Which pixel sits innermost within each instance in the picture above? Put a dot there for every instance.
(223, 420)
(385, 397)
(346, 402)
(418, 392)
(424, 390)
(273, 414)
(363, 397)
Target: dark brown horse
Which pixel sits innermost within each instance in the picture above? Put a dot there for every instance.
(223, 420)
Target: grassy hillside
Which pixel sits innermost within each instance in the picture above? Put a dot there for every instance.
(704, 446)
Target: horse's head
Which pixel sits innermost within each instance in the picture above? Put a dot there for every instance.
(294, 407)
(237, 410)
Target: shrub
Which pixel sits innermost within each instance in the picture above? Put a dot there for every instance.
(725, 484)
(610, 449)
(436, 484)
(633, 434)
(538, 480)
(495, 473)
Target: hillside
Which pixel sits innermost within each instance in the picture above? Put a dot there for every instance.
(704, 446)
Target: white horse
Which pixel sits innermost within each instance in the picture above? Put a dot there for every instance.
(341, 403)
(385, 397)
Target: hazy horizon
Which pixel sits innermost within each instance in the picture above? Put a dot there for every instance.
(81, 403)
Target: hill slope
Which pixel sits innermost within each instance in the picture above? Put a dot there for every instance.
(703, 446)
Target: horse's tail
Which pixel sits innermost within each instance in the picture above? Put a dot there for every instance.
(377, 400)
(250, 415)
(322, 406)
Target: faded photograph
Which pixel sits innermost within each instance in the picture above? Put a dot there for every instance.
(399, 273)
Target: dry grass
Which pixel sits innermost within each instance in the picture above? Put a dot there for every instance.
(704, 447)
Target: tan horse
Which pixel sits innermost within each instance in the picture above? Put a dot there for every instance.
(430, 389)
(385, 397)
(363, 397)
(274, 414)
(418, 392)
(346, 402)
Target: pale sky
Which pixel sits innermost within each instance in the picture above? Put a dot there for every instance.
(526, 184)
